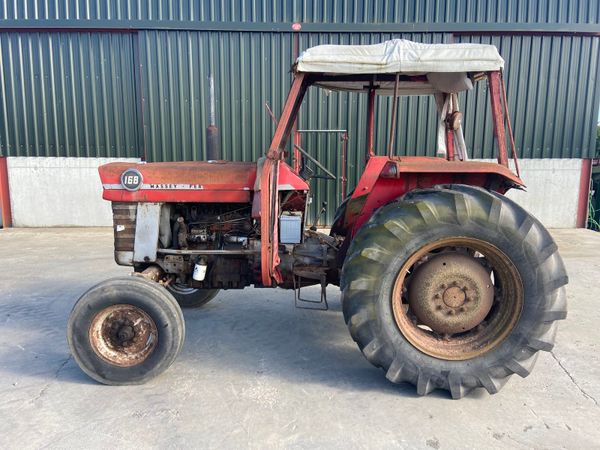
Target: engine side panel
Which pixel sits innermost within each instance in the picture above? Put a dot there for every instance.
(146, 232)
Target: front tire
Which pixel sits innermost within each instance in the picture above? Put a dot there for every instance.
(188, 297)
(125, 331)
(415, 296)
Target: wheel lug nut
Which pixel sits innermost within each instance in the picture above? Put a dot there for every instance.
(443, 286)
(438, 307)
(463, 309)
(451, 312)
(436, 296)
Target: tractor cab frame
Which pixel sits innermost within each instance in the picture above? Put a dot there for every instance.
(388, 177)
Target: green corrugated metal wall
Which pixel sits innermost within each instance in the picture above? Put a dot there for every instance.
(67, 94)
(309, 11)
(129, 78)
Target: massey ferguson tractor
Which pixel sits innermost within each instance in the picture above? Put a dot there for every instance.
(445, 282)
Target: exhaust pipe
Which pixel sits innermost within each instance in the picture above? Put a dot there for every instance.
(213, 150)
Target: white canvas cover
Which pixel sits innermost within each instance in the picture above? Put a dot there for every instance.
(400, 56)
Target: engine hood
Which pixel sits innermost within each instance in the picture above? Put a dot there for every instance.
(190, 181)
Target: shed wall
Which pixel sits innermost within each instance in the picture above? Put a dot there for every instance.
(130, 78)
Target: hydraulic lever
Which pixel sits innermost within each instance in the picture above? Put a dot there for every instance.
(319, 215)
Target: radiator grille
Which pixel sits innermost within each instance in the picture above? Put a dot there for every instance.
(124, 215)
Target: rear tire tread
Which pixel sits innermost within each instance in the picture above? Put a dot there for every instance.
(372, 351)
(522, 368)
(424, 383)
(393, 225)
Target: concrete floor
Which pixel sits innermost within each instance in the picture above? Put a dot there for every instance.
(257, 373)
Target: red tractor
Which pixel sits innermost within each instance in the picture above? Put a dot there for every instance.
(446, 283)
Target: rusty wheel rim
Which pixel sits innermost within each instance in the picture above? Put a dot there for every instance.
(457, 298)
(123, 335)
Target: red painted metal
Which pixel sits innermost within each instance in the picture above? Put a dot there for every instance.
(428, 165)
(510, 131)
(584, 193)
(172, 195)
(288, 116)
(289, 180)
(269, 237)
(374, 190)
(450, 144)
(5, 194)
(497, 116)
(370, 123)
(370, 175)
(191, 181)
(269, 201)
(215, 182)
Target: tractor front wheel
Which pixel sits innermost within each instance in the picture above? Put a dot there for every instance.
(453, 288)
(125, 331)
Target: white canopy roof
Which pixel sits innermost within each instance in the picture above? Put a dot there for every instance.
(400, 55)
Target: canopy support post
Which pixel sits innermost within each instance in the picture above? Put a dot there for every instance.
(394, 112)
(510, 131)
(498, 116)
(450, 144)
(371, 121)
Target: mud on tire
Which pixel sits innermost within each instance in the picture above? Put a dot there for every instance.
(397, 231)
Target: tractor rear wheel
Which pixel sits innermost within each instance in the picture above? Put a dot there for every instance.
(453, 288)
(188, 297)
(125, 331)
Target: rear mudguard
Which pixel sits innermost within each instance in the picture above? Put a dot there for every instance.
(386, 179)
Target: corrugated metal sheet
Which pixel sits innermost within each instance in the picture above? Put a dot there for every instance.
(67, 94)
(309, 11)
(553, 96)
(175, 73)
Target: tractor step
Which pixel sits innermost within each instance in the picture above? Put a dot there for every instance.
(305, 303)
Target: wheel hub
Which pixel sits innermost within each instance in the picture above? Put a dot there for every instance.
(123, 335)
(454, 297)
(451, 293)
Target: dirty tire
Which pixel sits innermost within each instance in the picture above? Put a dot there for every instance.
(192, 298)
(397, 231)
(157, 305)
(338, 226)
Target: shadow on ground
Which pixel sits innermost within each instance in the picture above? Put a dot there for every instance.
(251, 331)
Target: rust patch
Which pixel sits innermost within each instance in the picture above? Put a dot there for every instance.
(123, 335)
(451, 293)
(447, 313)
